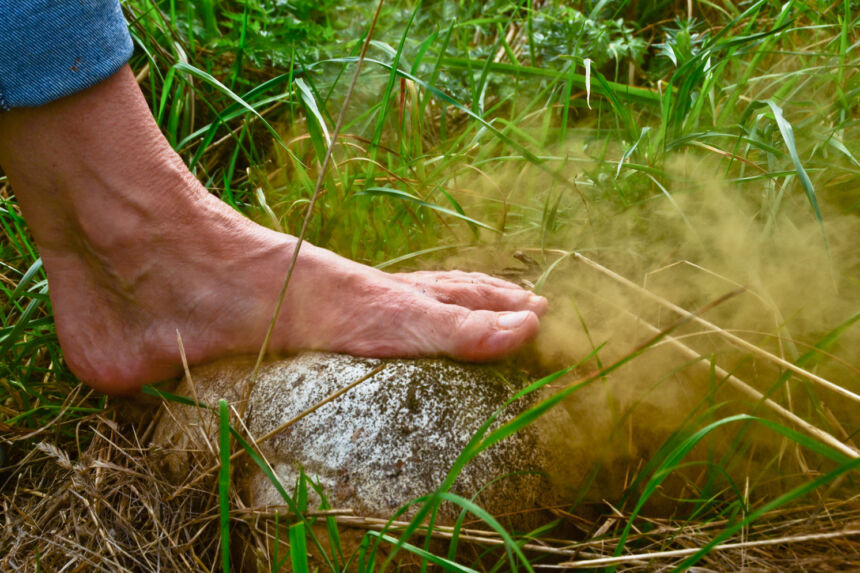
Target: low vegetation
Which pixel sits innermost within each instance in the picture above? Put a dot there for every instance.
(620, 157)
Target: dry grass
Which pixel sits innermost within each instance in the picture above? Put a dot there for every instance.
(112, 509)
(106, 511)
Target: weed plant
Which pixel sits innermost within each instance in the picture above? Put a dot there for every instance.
(707, 145)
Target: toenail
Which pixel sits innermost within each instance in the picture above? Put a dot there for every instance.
(510, 320)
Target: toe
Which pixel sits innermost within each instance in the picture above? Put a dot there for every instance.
(486, 297)
(475, 291)
(459, 277)
(483, 335)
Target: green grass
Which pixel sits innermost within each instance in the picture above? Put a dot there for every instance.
(728, 140)
(224, 482)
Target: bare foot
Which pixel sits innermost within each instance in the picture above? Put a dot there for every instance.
(136, 249)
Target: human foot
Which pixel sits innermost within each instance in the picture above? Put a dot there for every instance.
(118, 329)
(136, 249)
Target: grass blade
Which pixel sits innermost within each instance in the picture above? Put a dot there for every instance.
(788, 137)
(200, 74)
(630, 93)
(389, 88)
(433, 558)
(299, 548)
(316, 123)
(784, 499)
(672, 461)
(389, 192)
(224, 482)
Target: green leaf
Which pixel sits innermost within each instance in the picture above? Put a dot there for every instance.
(164, 395)
(630, 150)
(388, 191)
(788, 497)
(392, 77)
(25, 281)
(839, 146)
(24, 321)
(191, 70)
(435, 559)
(788, 137)
(224, 482)
(673, 460)
(299, 548)
(316, 122)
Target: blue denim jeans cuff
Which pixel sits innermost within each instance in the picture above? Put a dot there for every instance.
(54, 48)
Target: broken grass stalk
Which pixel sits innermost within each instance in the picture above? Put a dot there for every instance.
(604, 561)
(751, 392)
(717, 330)
(711, 326)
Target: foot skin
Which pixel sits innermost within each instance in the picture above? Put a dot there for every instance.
(136, 249)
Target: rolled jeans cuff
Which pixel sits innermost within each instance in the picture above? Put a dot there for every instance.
(53, 48)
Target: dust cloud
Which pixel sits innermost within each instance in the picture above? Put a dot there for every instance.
(694, 240)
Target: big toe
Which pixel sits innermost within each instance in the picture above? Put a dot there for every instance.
(484, 335)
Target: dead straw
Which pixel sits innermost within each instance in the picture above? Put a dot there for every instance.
(751, 392)
(604, 561)
(714, 328)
